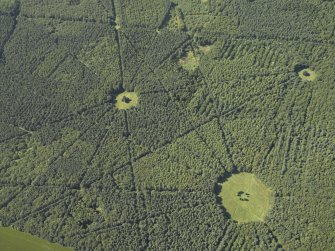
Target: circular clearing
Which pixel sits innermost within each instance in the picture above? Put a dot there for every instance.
(308, 74)
(245, 197)
(126, 100)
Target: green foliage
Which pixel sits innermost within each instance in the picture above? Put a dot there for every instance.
(102, 58)
(282, 19)
(143, 13)
(7, 24)
(76, 170)
(193, 6)
(176, 21)
(7, 5)
(83, 10)
(192, 162)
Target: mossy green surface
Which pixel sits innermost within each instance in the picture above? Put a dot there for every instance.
(13, 240)
(126, 100)
(308, 75)
(246, 198)
(190, 62)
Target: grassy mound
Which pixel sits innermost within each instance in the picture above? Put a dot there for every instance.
(126, 100)
(190, 62)
(308, 74)
(205, 48)
(245, 198)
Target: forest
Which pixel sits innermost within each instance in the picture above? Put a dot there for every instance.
(169, 124)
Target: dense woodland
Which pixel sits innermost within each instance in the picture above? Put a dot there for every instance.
(76, 170)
